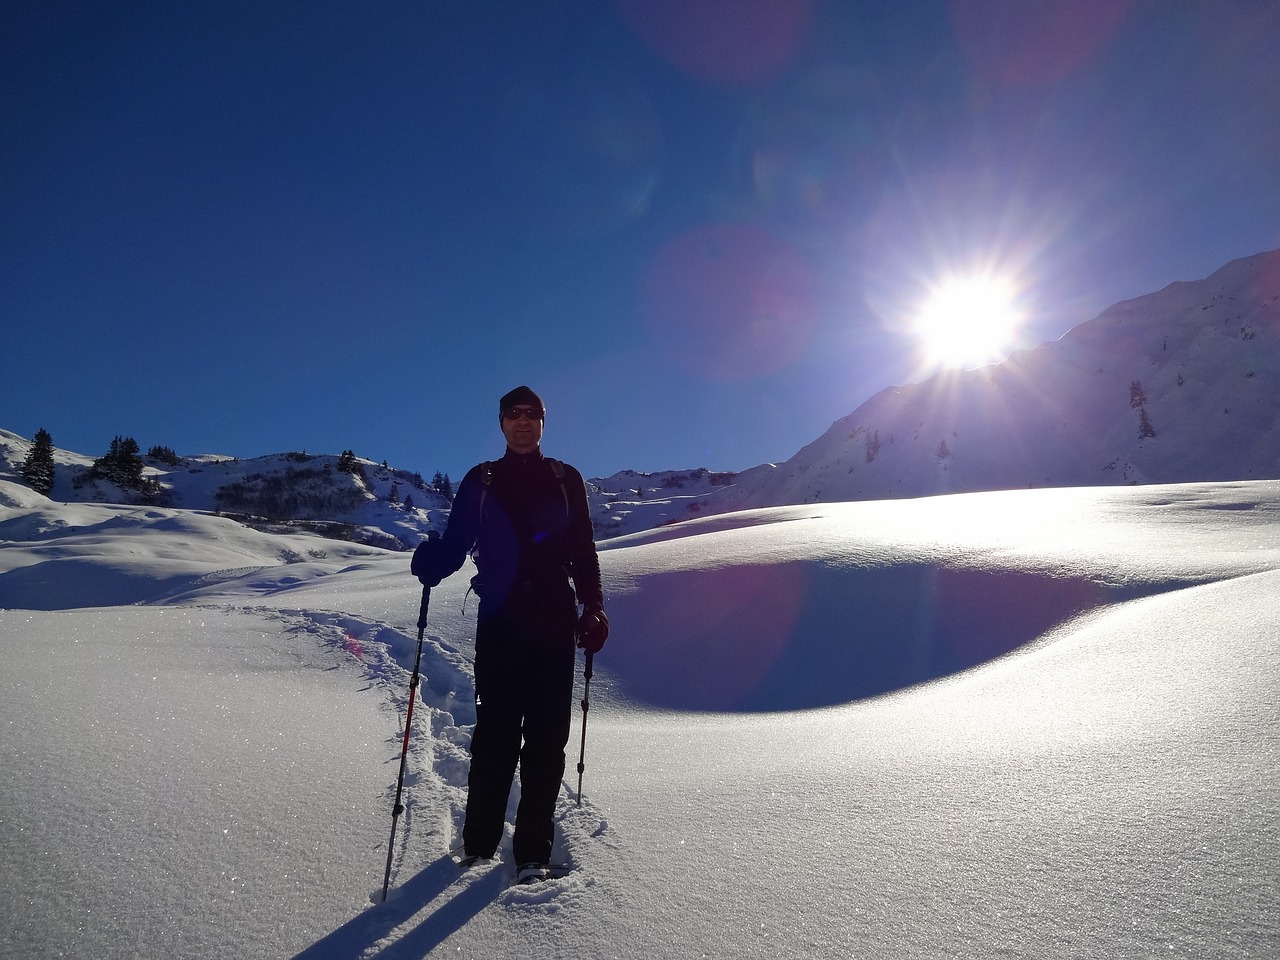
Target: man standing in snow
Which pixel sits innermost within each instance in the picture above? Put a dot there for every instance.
(526, 517)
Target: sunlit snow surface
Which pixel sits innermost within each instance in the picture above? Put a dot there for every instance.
(1028, 724)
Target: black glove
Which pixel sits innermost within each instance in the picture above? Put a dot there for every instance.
(593, 628)
(428, 563)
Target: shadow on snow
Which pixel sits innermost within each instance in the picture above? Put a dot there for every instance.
(803, 634)
(461, 896)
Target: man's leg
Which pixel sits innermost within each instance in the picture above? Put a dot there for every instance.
(546, 731)
(495, 743)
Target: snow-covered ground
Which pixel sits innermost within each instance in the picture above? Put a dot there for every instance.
(1025, 724)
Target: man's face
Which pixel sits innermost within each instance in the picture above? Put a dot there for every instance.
(522, 426)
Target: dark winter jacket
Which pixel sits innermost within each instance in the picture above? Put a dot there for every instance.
(530, 529)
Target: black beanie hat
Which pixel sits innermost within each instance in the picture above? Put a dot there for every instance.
(521, 395)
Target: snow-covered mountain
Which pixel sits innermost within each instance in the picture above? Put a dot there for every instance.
(341, 497)
(1177, 386)
(629, 501)
(346, 497)
(1182, 385)
(1030, 723)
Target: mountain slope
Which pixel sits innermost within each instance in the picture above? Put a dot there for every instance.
(341, 497)
(1180, 385)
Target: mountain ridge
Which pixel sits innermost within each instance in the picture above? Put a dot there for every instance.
(1179, 385)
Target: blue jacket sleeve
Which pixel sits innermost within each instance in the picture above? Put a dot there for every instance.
(436, 559)
(584, 562)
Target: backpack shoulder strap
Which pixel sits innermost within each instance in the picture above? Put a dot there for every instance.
(557, 470)
(486, 479)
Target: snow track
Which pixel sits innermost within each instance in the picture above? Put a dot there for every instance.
(431, 898)
(438, 757)
(437, 760)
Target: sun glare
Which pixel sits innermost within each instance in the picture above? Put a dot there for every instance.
(967, 322)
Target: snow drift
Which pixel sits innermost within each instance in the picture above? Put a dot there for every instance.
(1047, 727)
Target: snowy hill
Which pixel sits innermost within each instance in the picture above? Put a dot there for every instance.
(299, 492)
(340, 497)
(1181, 385)
(629, 501)
(1023, 724)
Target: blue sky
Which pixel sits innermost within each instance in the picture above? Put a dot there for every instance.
(698, 228)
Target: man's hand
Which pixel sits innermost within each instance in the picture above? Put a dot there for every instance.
(428, 560)
(593, 628)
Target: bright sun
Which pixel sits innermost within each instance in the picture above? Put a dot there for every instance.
(968, 321)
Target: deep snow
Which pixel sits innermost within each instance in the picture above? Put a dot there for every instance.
(1025, 724)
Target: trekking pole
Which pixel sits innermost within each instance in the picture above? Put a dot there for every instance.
(404, 748)
(586, 705)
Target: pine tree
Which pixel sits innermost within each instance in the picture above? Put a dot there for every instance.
(164, 455)
(130, 464)
(122, 465)
(1145, 429)
(1137, 396)
(348, 463)
(37, 468)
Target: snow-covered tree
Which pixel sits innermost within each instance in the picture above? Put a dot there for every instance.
(37, 468)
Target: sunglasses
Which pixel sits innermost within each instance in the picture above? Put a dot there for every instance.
(515, 413)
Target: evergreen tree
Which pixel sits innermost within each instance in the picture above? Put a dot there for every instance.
(1145, 429)
(408, 502)
(348, 463)
(394, 495)
(37, 468)
(122, 465)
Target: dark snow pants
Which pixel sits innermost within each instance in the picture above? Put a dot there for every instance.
(524, 702)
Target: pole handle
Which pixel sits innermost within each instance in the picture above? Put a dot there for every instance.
(422, 611)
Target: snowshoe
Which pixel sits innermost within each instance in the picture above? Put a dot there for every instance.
(528, 873)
